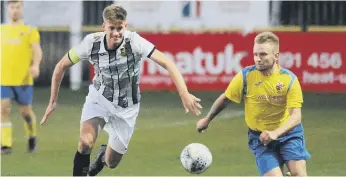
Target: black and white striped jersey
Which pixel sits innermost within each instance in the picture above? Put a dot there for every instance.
(117, 72)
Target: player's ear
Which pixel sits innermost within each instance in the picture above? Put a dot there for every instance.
(277, 55)
(103, 25)
(126, 24)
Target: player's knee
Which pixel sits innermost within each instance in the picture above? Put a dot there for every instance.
(298, 173)
(85, 143)
(297, 168)
(5, 111)
(27, 113)
(112, 163)
(112, 160)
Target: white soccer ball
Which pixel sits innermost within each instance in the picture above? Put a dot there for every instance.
(196, 158)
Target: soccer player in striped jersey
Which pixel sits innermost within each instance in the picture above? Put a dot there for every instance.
(113, 100)
(273, 100)
(21, 55)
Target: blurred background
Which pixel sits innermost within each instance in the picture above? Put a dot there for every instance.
(210, 41)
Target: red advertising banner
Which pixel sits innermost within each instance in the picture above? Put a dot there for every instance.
(209, 61)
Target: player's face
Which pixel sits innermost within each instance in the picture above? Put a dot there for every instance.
(15, 10)
(115, 30)
(264, 56)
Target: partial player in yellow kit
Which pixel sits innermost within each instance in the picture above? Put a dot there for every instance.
(273, 99)
(21, 55)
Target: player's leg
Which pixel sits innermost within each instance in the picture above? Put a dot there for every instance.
(113, 157)
(89, 131)
(24, 96)
(268, 160)
(92, 122)
(6, 124)
(29, 125)
(294, 152)
(108, 155)
(275, 171)
(120, 128)
(297, 167)
(269, 164)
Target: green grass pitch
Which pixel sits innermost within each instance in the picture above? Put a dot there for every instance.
(162, 131)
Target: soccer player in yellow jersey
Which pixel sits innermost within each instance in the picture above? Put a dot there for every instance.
(273, 99)
(20, 60)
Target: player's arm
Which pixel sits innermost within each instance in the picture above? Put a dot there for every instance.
(72, 57)
(34, 39)
(37, 54)
(233, 93)
(294, 104)
(58, 75)
(190, 102)
(220, 104)
(147, 49)
(174, 72)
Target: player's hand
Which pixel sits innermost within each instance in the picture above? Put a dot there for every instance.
(51, 107)
(202, 124)
(191, 103)
(268, 136)
(35, 71)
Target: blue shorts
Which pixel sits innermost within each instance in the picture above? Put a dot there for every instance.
(290, 146)
(22, 94)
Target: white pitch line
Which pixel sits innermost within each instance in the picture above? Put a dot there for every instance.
(228, 115)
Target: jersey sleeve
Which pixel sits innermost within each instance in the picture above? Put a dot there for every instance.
(295, 95)
(34, 36)
(81, 51)
(234, 91)
(143, 46)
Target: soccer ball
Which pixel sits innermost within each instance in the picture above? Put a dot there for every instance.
(196, 158)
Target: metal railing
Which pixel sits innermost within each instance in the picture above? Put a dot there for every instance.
(315, 13)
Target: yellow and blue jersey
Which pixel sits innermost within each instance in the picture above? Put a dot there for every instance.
(266, 98)
(16, 53)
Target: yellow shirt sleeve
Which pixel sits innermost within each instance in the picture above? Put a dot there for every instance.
(34, 36)
(234, 91)
(295, 95)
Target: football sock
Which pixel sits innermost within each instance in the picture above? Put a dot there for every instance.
(30, 126)
(81, 164)
(6, 134)
(103, 160)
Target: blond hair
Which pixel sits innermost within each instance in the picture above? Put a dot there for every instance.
(114, 12)
(14, 1)
(268, 37)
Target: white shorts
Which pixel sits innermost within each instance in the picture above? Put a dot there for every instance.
(120, 122)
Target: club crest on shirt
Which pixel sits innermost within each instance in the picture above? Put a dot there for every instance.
(21, 34)
(279, 86)
(123, 52)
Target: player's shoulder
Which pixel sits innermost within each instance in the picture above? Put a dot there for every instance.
(246, 70)
(288, 72)
(94, 37)
(3, 26)
(131, 35)
(29, 27)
